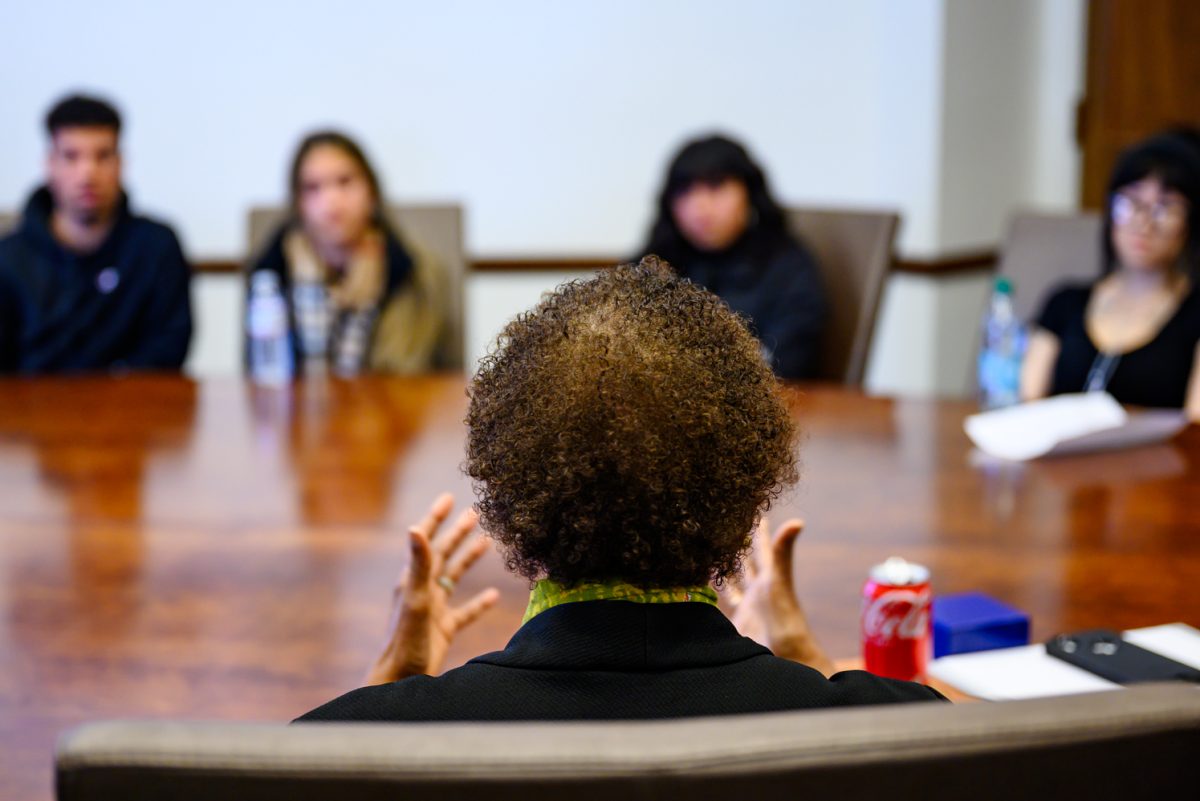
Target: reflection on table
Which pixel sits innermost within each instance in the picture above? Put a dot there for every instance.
(217, 550)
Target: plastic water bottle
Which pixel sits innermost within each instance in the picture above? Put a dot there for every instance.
(1002, 350)
(267, 325)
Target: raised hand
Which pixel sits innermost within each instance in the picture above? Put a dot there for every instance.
(765, 607)
(423, 623)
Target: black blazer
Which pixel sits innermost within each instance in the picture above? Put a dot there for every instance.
(618, 660)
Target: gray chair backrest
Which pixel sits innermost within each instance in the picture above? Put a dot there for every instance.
(1042, 250)
(854, 249)
(1134, 743)
(438, 228)
(8, 222)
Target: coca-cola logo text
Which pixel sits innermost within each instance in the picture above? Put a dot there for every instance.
(896, 614)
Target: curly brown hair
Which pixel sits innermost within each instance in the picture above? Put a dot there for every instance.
(627, 428)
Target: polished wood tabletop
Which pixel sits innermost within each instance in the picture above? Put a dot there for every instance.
(215, 550)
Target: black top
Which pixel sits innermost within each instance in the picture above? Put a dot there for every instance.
(125, 306)
(619, 660)
(1155, 374)
(782, 294)
(272, 259)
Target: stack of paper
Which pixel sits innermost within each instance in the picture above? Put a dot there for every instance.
(1069, 424)
(1008, 674)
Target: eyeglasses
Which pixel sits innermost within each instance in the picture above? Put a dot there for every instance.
(1163, 214)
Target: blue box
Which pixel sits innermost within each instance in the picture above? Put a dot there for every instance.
(972, 621)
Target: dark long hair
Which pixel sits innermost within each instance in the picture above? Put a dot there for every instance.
(713, 159)
(352, 149)
(1173, 157)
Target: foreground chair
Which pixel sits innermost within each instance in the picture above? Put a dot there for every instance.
(1135, 743)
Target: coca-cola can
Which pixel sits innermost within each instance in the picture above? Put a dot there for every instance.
(896, 633)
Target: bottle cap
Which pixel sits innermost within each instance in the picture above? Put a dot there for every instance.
(1004, 285)
(264, 282)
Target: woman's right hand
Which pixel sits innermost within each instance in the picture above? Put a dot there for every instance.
(423, 623)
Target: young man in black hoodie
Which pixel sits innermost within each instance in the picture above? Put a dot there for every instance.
(84, 284)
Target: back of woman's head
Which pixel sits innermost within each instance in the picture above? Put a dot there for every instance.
(627, 428)
(711, 160)
(1173, 158)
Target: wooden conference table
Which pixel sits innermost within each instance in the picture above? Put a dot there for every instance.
(211, 550)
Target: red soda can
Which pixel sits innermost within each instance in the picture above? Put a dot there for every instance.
(896, 634)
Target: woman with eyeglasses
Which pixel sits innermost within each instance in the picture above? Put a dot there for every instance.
(1135, 331)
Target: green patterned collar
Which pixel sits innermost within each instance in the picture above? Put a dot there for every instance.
(547, 593)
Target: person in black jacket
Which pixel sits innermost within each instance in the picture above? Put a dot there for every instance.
(624, 439)
(719, 226)
(85, 285)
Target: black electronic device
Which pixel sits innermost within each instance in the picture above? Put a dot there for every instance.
(1104, 653)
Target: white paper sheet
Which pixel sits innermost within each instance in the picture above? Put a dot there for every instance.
(1140, 428)
(1008, 674)
(1177, 641)
(1064, 424)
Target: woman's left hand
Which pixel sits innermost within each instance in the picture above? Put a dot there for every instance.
(766, 609)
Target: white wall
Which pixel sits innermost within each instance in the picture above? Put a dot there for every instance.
(217, 304)
(1010, 75)
(1054, 171)
(988, 92)
(1013, 72)
(551, 122)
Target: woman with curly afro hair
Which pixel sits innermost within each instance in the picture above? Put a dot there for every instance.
(625, 439)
